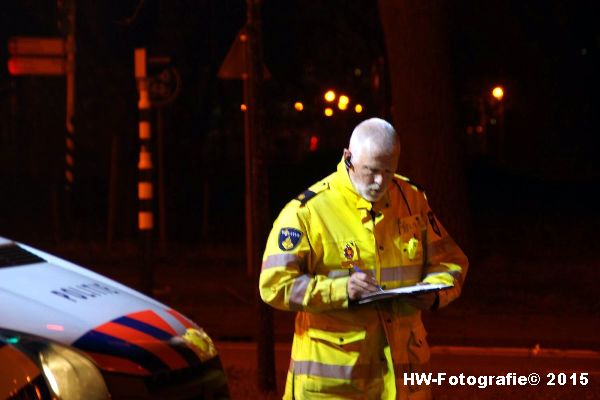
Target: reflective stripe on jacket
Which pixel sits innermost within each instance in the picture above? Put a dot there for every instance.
(341, 349)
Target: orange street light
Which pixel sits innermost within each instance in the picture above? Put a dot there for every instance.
(358, 108)
(343, 102)
(298, 106)
(328, 112)
(243, 107)
(329, 96)
(498, 93)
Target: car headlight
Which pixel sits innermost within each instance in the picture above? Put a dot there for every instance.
(70, 375)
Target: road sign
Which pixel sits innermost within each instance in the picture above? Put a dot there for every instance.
(36, 56)
(36, 46)
(235, 64)
(36, 66)
(164, 86)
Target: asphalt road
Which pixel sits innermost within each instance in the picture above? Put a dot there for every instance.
(458, 372)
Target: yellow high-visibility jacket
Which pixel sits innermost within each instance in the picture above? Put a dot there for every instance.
(341, 349)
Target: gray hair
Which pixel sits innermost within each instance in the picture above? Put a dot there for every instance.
(374, 134)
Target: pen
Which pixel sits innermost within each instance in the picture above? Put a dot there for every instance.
(356, 269)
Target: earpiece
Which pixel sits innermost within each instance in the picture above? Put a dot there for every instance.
(348, 161)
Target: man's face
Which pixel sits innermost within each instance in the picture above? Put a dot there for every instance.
(372, 172)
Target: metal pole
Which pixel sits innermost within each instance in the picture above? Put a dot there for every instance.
(67, 25)
(112, 192)
(162, 213)
(145, 187)
(70, 70)
(249, 153)
(501, 132)
(256, 191)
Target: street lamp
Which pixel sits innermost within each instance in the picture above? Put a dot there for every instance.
(329, 96)
(498, 93)
(343, 102)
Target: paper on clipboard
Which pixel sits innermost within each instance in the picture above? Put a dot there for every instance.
(406, 290)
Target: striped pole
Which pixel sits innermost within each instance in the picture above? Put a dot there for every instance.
(145, 172)
(70, 138)
(68, 26)
(63, 213)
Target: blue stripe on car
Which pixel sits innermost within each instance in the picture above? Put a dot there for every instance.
(143, 327)
(104, 344)
(188, 354)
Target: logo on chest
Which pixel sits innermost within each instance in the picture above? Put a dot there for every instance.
(350, 255)
(411, 248)
(349, 252)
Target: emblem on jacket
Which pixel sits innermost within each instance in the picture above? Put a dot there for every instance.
(350, 254)
(411, 248)
(289, 238)
(433, 223)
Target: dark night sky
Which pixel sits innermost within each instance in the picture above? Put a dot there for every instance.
(546, 54)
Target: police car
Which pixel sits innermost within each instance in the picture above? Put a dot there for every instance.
(69, 333)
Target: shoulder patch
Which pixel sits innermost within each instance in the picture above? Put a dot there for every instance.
(305, 196)
(312, 192)
(289, 238)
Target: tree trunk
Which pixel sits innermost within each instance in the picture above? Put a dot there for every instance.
(423, 106)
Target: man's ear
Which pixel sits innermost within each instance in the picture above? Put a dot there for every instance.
(347, 158)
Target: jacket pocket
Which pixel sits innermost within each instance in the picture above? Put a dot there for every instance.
(338, 348)
(333, 357)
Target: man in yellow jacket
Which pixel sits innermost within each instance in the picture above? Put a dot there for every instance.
(361, 228)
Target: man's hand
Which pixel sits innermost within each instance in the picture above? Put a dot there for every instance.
(360, 284)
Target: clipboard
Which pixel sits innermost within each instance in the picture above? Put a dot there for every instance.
(402, 291)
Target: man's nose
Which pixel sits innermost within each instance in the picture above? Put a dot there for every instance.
(378, 178)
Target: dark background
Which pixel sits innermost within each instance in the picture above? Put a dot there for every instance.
(537, 197)
(545, 54)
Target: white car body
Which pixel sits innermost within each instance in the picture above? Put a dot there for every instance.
(123, 331)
